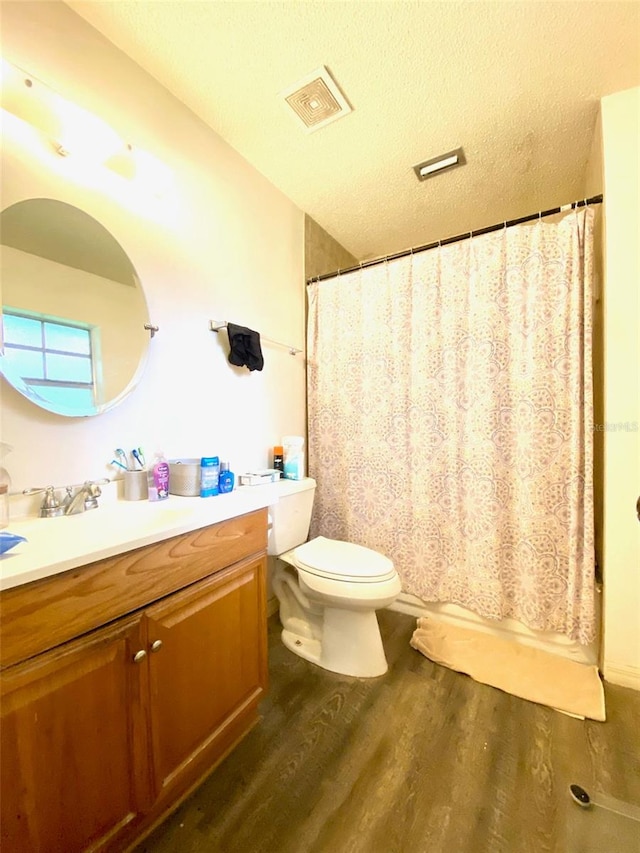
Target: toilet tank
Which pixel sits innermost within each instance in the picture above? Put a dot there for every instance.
(291, 516)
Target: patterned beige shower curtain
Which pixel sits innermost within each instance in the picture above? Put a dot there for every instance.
(450, 420)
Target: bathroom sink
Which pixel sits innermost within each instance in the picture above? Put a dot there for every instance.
(61, 543)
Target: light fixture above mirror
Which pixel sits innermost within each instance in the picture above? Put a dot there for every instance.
(78, 133)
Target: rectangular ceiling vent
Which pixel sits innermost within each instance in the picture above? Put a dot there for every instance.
(443, 163)
(316, 100)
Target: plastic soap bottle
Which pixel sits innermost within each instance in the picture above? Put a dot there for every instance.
(209, 471)
(278, 458)
(293, 457)
(158, 478)
(226, 478)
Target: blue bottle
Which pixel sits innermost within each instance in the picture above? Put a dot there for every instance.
(226, 479)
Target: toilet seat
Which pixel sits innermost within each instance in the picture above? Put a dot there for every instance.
(342, 561)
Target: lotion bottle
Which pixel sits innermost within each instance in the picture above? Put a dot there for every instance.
(226, 478)
(158, 479)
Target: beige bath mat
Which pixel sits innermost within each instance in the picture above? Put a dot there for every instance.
(521, 670)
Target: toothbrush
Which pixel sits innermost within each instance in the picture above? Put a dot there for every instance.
(122, 456)
(119, 464)
(138, 456)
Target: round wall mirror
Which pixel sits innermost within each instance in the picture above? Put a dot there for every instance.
(73, 309)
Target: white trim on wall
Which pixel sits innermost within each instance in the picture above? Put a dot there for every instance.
(622, 674)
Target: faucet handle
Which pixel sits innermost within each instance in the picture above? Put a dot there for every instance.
(92, 492)
(93, 488)
(50, 505)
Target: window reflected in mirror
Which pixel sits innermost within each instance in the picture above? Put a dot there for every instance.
(53, 357)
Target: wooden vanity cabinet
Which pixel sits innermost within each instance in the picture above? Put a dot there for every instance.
(208, 669)
(73, 736)
(103, 734)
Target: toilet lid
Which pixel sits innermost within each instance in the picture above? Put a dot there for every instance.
(330, 558)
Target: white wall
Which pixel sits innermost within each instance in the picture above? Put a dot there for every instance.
(224, 244)
(621, 535)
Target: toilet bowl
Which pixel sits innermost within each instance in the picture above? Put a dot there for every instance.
(328, 590)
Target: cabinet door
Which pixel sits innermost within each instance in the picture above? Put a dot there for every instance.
(207, 672)
(72, 732)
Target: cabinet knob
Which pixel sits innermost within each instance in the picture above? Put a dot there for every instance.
(156, 645)
(139, 656)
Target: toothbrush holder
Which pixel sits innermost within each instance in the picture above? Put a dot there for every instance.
(135, 486)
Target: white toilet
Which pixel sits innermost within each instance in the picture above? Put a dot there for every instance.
(328, 590)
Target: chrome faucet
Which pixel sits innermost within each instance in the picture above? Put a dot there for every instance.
(85, 498)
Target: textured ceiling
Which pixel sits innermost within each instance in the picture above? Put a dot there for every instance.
(516, 84)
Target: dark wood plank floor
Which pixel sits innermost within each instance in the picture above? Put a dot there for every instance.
(422, 760)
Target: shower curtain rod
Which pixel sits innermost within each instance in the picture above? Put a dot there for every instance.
(596, 199)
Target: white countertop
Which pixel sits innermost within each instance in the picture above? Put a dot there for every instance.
(56, 545)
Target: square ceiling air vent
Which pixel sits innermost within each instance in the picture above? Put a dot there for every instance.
(316, 100)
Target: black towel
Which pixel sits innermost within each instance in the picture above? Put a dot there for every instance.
(245, 347)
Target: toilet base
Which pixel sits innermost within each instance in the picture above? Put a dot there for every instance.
(304, 647)
(351, 643)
